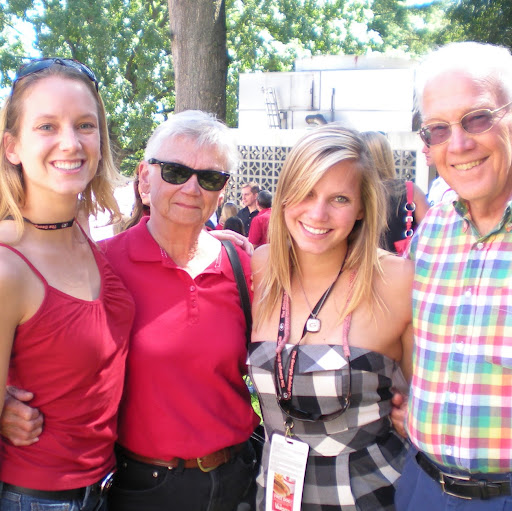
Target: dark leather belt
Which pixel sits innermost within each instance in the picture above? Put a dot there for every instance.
(205, 463)
(99, 489)
(463, 486)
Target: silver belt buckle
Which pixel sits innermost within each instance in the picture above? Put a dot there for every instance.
(452, 476)
(107, 482)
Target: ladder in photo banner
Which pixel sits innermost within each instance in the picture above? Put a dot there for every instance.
(273, 117)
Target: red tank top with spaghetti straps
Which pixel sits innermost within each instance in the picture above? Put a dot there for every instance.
(71, 354)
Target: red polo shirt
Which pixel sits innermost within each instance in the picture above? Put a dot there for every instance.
(184, 394)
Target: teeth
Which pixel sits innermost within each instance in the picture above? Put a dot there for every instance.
(312, 230)
(67, 165)
(467, 166)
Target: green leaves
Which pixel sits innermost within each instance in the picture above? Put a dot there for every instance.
(127, 44)
(480, 20)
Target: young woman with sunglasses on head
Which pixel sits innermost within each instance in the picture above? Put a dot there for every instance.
(332, 318)
(65, 317)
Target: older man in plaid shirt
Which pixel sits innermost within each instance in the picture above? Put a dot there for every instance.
(459, 417)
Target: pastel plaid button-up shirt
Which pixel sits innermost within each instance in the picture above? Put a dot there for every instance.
(460, 403)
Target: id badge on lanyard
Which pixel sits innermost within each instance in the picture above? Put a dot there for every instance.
(286, 471)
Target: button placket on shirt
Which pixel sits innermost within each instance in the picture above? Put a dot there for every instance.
(193, 303)
(458, 365)
(461, 351)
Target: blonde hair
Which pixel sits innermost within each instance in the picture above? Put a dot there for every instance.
(308, 161)
(98, 194)
(381, 153)
(229, 209)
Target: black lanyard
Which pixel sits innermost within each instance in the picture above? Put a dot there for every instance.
(284, 383)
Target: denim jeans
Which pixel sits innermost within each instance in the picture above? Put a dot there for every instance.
(142, 487)
(13, 501)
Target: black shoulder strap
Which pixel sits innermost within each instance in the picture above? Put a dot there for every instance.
(241, 284)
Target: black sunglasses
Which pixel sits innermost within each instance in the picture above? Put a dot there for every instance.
(36, 65)
(177, 174)
(285, 403)
(474, 123)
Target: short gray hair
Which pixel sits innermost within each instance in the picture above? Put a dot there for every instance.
(203, 128)
(488, 64)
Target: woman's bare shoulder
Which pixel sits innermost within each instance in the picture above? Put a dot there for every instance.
(14, 276)
(12, 265)
(397, 272)
(260, 257)
(15, 273)
(393, 262)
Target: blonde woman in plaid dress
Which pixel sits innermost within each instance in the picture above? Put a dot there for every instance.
(328, 213)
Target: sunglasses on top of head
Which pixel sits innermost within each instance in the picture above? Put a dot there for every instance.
(36, 65)
(474, 123)
(177, 174)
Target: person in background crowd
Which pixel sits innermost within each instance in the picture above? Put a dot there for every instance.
(397, 209)
(213, 221)
(140, 206)
(228, 209)
(249, 193)
(428, 157)
(178, 449)
(65, 316)
(331, 326)
(259, 225)
(233, 223)
(459, 416)
(439, 190)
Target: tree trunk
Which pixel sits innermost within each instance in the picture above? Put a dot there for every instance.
(198, 46)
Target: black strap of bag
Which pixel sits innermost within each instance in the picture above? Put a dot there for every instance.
(241, 284)
(258, 436)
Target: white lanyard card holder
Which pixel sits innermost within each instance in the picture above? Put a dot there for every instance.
(286, 471)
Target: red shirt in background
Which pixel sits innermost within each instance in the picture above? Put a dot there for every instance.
(259, 228)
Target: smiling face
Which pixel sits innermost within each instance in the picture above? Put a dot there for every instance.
(477, 167)
(58, 144)
(321, 223)
(187, 204)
